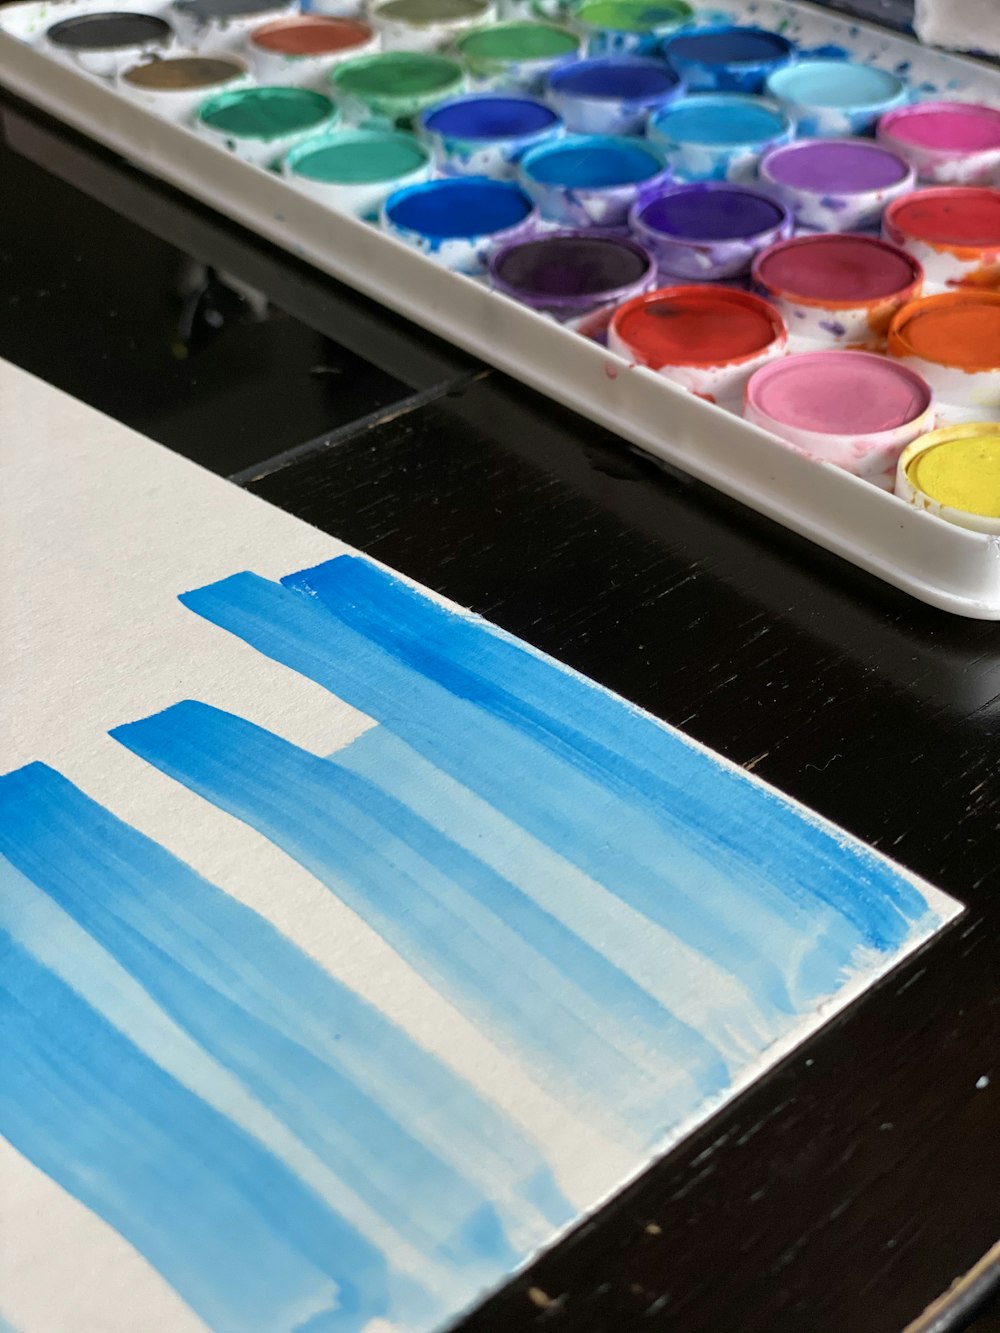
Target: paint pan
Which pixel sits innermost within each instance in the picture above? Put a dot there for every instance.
(710, 230)
(301, 50)
(177, 85)
(709, 340)
(955, 474)
(517, 56)
(261, 124)
(854, 409)
(355, 171)
(719, 137)
(592, 180)
(213, 26)
(459, 220)
(953, 233)
(428, 25)
(577, 277)
(836, 184)
(947, 143)
(835, 98)
(629, 27)
(389, 89)
(727, 58)
(107, 42)
(953, 340)
(612, 94)
(839, 290)
(487, 134)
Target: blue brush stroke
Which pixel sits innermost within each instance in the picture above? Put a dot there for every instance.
(731, 869)
(351, 1087)
(246, 1244)
(520, 974)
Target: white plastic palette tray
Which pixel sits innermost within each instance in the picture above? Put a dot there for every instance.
(946, 566)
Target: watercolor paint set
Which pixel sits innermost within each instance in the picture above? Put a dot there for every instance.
(759, 241)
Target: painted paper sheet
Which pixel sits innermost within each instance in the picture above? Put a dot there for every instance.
(350, 950)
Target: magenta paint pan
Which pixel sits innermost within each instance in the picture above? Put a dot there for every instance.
(709, 230)
(577, 277)
(854, 409)
(836, 184)
(838, 290)
(946, 143)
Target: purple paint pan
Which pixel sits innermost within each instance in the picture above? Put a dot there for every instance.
(836, 184)
(709, 231)
(578, 277)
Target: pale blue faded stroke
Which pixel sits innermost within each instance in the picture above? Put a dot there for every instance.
(6, 1326)
(788, 947)
(363, 1098)
(527, 980)
(243, 1241)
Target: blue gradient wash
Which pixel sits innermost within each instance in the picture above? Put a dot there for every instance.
(628, 920)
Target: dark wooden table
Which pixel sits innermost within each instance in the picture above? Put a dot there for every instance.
(850, 1186)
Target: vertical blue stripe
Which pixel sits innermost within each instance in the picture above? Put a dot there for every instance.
(369, 1104)
(524, 977)
(658, 858)
(246, 1244)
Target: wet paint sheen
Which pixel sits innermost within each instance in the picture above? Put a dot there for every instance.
(311, 35)
(265, 113)
(633, 15)
(594, 166)
(570, 266)
(355, 162)
(106, 32)
(628, 78)
(397, 75)
(953, 332)
(447, 209)
(720, 121)
(963, 473)
(697, 213)
(727, 46)
(697, 328)
(834, 83)
(836, 270)
(184, 72)
(947, 127)
(491, 118)
(837, 166)
(423, 12)
(958, 217)
(222, 11)
(510, 42)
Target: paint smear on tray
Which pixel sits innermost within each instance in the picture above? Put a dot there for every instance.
(639, 926)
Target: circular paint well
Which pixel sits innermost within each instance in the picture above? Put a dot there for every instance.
(836, 166)
(729, 46)
(362, 161)
(690, 326)
(490, 118)
(109, 31)
(955, 218)
(721, 122)
(593, 164)
(311, 35)
(184, 73)
(961, 330)
(397, 76)
(633, 15)
(836, 84)
(947, 127)
(507, 43)
(618, 77)
(570, 267)
(839, 393)
(963, 471)
(712, 213)
(838, 271)
(457, 209)
(266, 113)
